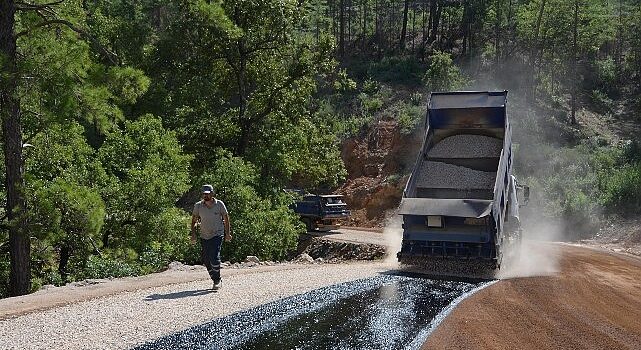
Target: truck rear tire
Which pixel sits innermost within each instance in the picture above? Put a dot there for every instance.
(308, 224)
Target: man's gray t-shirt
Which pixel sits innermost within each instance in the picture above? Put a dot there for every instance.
(211, 219)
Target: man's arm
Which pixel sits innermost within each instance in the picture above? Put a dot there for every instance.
(227, 227)
(194, 222)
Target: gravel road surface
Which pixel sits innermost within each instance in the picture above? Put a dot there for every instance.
(129, 318)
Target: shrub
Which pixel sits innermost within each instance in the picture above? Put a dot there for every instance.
(370, 86)
(369, 104)
(147, 173)
(352, 126)
(601, 102)
(4, 274)
(621, 188)
(409, 117)
(394, 179)
(442, 74)
(105, 267)
(68, 217)
(416, 98)
(343, 83)
(398, 70)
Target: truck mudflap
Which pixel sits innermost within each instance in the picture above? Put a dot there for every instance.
(444, 249)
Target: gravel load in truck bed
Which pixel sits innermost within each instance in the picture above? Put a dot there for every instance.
(467, 146)
(443, 175)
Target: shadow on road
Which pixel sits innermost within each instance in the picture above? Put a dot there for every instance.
(178, 295)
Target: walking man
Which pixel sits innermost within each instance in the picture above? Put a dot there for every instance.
(212, 215)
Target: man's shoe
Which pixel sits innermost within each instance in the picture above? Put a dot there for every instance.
(216, 286)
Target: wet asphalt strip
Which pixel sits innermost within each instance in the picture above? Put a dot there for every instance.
(383, 312)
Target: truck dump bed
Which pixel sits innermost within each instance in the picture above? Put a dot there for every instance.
(456, 200)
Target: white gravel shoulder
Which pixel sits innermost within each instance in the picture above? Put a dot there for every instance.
(125, 319)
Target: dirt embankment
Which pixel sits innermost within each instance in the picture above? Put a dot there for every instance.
(377, 167)
(592, 302)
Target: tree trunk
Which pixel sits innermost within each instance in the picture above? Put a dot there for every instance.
(19, 244)
(245, 124)
(349, 21)
(619, 43)
(424, 31)
(465, 27)
(65, 254)
(413, 28)
(435, 15)
(535, 46)
(575, 80)
(497, 37)
(364, 48)
(341, 34)
(404, 27)
(377, 30)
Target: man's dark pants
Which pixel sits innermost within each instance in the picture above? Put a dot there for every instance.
(211, 256)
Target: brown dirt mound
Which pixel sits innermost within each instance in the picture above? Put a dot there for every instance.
(377, 167)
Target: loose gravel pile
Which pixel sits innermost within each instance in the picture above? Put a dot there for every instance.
(467, 146)
(126, 319)
(443, 175)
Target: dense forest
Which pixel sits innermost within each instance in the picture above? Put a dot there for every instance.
(115, 112)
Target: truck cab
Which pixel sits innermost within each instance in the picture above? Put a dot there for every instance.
(321, 212)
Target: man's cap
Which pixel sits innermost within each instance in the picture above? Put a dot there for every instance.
(208, 189)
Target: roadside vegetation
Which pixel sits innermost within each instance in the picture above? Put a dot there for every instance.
(125, 108)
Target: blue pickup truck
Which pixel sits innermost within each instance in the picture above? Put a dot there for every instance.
(321, 212)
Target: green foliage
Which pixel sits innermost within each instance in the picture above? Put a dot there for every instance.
(394, 179)
(147, 172)
(369, 104)
(621, 188)
(370, 86)
(620, 178)
(582, 183)
(352, 126)
(551, 34)
(343, 83)
(409, 117)
(68, 218)
(601, 102)
(397, 70)
(442, 74)
(127, 84)
(105, 267)
(4, 271)
(248, 92)
(416, 98)
(61, 151)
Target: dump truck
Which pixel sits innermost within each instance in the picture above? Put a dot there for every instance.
(461, 202)
(321, 212)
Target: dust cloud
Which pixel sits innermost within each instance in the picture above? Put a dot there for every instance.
(393, 233)
(537, 255)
